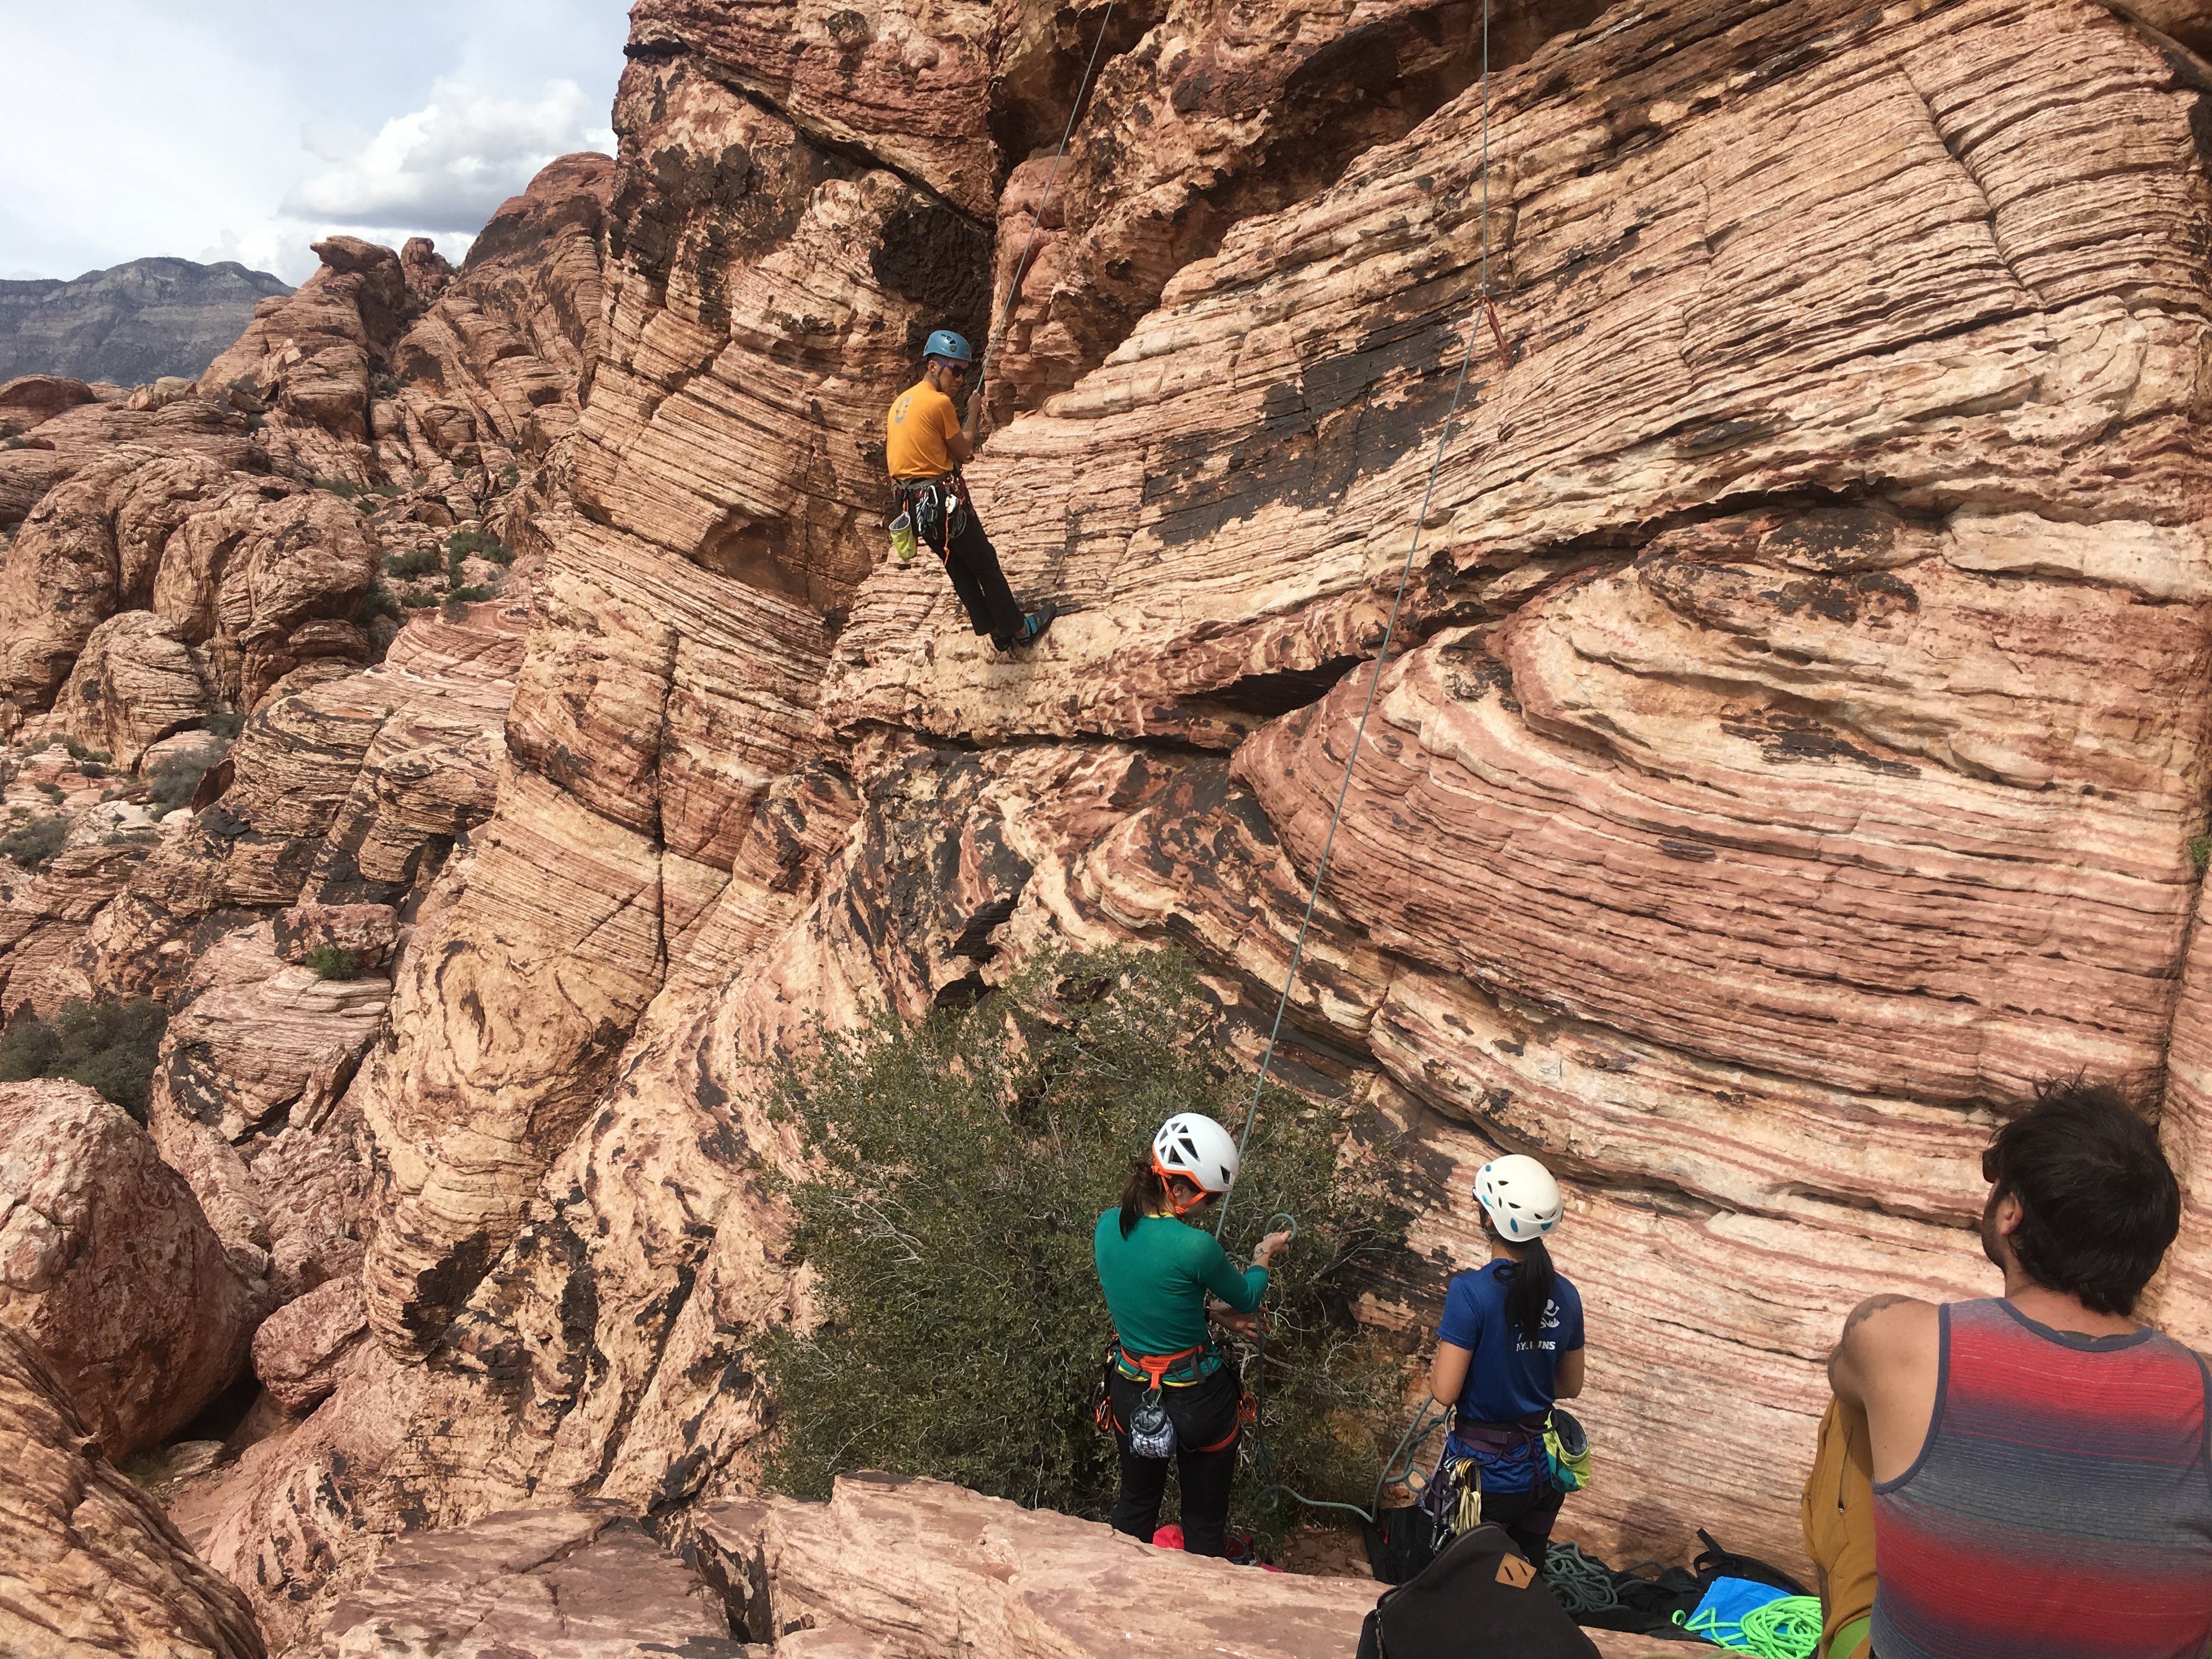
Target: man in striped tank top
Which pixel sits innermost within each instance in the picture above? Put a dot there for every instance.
(2041, 1462)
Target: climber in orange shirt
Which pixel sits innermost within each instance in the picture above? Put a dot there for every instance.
(924, 444)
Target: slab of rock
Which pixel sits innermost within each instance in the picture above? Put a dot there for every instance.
(549, 1583)
(88, 1563)
(933, 1571)
(135, 682)
(366, 933)
(251, 1035)
(30, 399)
(295, 1508)
(297, 1351)
(107, 1265)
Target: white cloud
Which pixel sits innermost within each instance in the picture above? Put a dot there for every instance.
(290, 128)
(447, 166)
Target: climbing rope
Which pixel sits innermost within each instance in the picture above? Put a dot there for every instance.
(1485, 308)
(1582, 1582)
(1786, 1629)
(1021, 265)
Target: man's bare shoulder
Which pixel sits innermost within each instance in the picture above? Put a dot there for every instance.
(1889, 1321)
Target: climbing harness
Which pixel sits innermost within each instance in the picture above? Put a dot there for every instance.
(934, 509)
(1022, 265)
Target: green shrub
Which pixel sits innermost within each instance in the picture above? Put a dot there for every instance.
(107, 1046)
(226, 726)
(34, 844)
(2199, 853)
(53, 792)
(415, 599)
(379, 603)
(255, 420)
(387, 385)
(82, 752)
(92, 768)
(344, 488)
(461, 596)
(173, 781)
(960, 1165)
(465, 543)
(330, 963)
(415, 561)
(12, 441)
(510, 475)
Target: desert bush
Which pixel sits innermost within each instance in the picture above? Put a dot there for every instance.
(415, 561)
(171, 782)
(465, 543)
(960, 1164)
(107, 1046)
(33, 844)
(415, 599)
(344, 488)
(226, 726)
(379, 603)
(329, 962)
(84, 751)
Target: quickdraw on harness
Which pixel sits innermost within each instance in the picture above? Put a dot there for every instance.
(933, 510)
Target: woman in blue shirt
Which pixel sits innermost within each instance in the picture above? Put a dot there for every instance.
(1509, 1346)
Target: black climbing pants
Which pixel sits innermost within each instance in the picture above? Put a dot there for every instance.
(973, 564)
(1527, 1516)
(1203, 1414)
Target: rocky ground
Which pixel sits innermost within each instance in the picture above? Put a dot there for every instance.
(478, 713)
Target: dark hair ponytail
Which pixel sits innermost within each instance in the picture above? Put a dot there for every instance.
(1528, 1293)
(1142, 1195)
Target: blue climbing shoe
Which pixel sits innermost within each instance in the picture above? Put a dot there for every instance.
(1035, 622)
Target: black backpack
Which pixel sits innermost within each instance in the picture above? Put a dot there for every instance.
(1479, 1599)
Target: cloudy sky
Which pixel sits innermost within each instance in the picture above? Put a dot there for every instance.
(246, 129)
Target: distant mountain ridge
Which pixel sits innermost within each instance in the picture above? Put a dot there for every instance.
(129, 323)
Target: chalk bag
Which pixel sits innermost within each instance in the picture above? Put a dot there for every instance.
(1152, 1431)
(902, 538)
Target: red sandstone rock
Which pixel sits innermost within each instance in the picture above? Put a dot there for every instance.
(107, 1265)
(30, 399)
(296, 1504)
(532, 1585)
(297, 1351)
(926, 1569)
(364, 931)
(88, 1565)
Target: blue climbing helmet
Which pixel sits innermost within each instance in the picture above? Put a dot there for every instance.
(947, 344)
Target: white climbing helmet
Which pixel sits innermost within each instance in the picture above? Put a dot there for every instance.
(1520, 1197)
(1195, 1147)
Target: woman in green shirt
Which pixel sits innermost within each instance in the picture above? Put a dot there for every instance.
(1157, 1270)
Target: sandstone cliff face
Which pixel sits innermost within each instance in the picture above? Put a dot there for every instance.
(1791, 749)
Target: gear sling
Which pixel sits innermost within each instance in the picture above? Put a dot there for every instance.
(944, 522)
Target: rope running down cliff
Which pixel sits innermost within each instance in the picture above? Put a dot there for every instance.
(1483, 308)
(1021, 265)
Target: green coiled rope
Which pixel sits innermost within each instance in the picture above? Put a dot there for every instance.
(1789, 1628)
